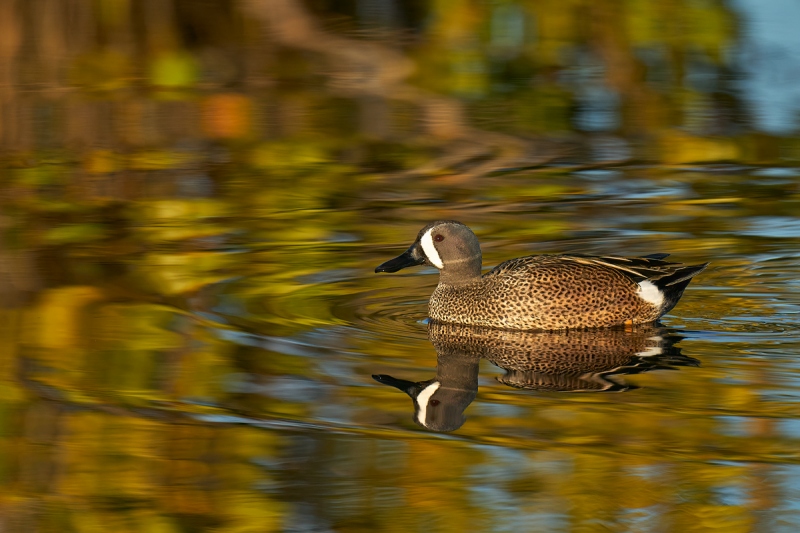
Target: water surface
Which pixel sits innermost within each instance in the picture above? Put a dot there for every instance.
(190, 219)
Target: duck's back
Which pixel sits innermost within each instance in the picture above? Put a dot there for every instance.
(545, 292)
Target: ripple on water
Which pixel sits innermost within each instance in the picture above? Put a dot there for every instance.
(380, 313)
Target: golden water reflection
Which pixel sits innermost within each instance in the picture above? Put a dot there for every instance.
(197, 368)
(193, 196)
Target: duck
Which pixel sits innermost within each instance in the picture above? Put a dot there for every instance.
(541, 292)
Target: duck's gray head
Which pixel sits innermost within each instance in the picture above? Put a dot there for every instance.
(447, 245)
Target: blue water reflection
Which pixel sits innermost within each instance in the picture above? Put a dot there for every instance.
(767, 55)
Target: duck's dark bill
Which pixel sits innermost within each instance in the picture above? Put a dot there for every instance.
(406, 259)
(409, 387)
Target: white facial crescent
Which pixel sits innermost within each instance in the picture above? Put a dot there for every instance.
(430, 250)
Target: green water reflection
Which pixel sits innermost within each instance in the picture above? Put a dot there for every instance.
(193, 196)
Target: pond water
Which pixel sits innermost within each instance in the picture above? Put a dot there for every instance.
(193, 335)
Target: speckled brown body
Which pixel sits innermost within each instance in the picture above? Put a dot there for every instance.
(544, 292)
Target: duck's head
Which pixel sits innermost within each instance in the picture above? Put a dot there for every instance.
(447, 245)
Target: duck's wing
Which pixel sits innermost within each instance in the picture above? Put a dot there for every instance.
(651, 267)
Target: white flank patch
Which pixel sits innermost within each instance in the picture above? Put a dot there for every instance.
(430, 249)
(422, 400)
(650, 293)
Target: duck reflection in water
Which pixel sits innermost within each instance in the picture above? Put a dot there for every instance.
(566, 361)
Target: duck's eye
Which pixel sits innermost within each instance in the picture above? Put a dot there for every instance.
(438, 238)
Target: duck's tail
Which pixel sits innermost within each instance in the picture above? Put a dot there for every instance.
(673, 283)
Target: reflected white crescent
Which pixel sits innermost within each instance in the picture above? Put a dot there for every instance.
(422, 400)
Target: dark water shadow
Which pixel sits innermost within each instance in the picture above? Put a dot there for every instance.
(569, 361)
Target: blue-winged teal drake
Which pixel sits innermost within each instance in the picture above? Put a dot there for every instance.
(545, 292)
